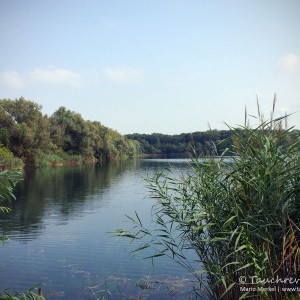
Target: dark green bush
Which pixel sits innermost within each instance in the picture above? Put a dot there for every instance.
(7, 159)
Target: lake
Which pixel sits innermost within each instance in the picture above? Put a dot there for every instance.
(60, 234)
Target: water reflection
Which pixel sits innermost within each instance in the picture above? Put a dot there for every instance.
(64, 190)
(60, 228)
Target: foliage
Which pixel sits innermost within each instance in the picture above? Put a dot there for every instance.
(185, 144)
(40, 140)
(240, 216)
(5, 153)
(68, 130)
(8, 180)
(8, 160)
(25, 125)
(43, 160)
(182, 144)
(31, 294)
(75, 136)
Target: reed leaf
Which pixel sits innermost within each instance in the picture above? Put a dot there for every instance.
(241, 217)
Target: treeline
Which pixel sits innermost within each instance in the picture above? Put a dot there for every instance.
(38, 139)
(186, 144)
(28, 136)
(182, 144)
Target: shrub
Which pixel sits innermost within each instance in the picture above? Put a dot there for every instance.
(7, 159)
(69, 157)
(41, 159)
(48, 159)
(240, 215)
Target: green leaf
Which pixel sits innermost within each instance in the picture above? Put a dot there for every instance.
(229, 221)
(244, 267)
(155, 255)
(228, 289)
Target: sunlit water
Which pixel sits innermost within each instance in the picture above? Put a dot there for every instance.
(60, 235)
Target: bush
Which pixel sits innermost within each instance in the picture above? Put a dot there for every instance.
(49, 159)
(41, 159)
(7, 159)
(66, 157)
(240, 216)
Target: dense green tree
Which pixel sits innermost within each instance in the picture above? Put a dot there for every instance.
(183, 144)
(68, 130)
(65, 135)
(72, 134)
(93, 144)
(23, 127)
(4, 137)
(187, 143)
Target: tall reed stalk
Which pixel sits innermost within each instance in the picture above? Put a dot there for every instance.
(240, 215)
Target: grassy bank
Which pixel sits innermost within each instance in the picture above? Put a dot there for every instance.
(59, 158)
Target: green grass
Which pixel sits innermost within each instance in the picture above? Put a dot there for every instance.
(59, 157)
(49, 159)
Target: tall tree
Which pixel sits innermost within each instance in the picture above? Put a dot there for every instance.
(25, 127)
(68, 130)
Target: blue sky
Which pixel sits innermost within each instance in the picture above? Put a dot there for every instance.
(156, 65)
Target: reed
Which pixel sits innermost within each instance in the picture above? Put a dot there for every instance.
(30, 294)
(240, 215)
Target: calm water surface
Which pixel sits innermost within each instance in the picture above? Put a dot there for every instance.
(59, 234)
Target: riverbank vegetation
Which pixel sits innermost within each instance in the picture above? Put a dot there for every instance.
(28, 137)
(181, 145)
(8, 181)
(240, 216)
(63, 137)
(189, 144)
(8, 160)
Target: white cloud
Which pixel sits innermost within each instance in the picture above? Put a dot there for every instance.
(290, 62)
(53, 75)
(57, 76)
(12, 79)
(123, 75)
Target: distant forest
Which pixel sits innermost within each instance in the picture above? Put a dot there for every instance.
(189, 144)
(182, 144)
